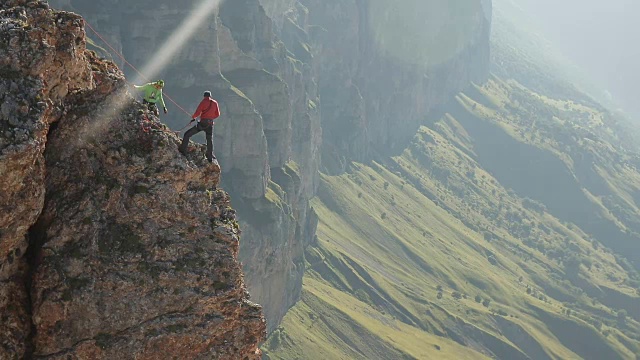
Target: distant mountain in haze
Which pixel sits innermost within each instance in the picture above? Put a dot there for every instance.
(599, 36)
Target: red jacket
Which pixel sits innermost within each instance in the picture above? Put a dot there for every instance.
(207, 110)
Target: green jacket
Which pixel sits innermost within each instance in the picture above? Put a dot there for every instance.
(151, 94)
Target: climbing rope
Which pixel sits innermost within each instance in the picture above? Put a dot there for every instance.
(185, 126)
(145, 128)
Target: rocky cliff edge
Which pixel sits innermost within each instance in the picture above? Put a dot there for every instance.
(112, 244)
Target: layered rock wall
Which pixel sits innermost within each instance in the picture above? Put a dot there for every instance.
(382, 67)
(113, 245)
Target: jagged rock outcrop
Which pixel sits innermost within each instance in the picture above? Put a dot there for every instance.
(113, 245)
(297, 79)
(139, 253)
(32, 84)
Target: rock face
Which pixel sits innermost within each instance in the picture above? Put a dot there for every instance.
(31, 85)
(383, 67)
(303, 85)
(112, 244)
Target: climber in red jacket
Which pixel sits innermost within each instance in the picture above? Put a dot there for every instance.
(208, 111)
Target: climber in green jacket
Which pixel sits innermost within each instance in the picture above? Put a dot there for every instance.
(153, 96)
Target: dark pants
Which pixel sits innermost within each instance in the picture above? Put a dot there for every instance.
(207, 127)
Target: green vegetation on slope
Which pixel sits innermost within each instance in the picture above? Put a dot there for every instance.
(508, 228)
(520, 52)
(446, 252)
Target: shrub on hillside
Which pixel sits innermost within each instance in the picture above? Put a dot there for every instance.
(534, 205)
(622, 317)
(363, 296)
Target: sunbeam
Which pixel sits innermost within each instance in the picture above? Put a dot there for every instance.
(179, 38)
(160, 59)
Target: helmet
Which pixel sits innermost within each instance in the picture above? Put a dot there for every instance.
(160, 82)
(207, 93)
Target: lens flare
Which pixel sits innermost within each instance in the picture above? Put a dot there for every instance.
(425, 33)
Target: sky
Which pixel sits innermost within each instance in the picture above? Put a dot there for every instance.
(601, 37)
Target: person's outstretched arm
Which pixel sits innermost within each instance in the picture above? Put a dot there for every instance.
(161, 102)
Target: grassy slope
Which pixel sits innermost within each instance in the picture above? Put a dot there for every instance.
(514, 196)
(392, 234)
